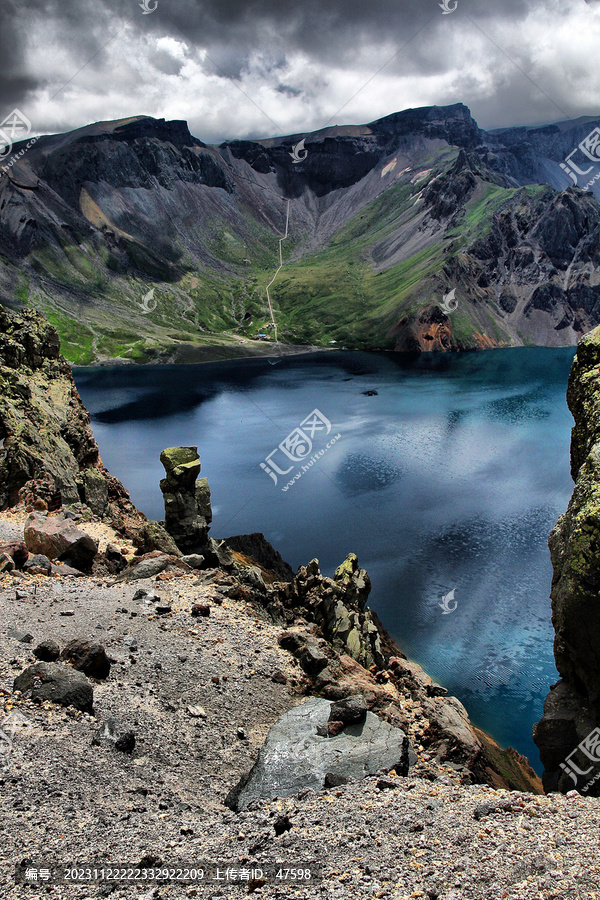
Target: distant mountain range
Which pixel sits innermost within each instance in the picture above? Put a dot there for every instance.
(419, 231)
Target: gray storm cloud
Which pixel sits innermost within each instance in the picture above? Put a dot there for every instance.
(252, 67)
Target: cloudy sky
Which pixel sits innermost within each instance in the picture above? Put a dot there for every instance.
(257, 68)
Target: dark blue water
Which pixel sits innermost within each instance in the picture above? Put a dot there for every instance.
(449, 479)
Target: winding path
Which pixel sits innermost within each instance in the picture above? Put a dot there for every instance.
(281, 240)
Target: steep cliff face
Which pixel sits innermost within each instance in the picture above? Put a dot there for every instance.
(572, 709)
(49, 456)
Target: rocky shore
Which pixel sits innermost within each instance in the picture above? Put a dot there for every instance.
(171, 699)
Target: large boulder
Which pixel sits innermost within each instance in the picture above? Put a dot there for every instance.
(300, 752)
(59, 538)
(56, 683)
(187, 505)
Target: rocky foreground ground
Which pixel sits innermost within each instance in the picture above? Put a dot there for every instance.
(199, 694)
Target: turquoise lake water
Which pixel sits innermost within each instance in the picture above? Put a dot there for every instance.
(448, 479)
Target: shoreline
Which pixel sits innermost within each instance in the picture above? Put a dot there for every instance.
(310, 350)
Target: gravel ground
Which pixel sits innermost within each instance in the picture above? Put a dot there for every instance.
(65, 802)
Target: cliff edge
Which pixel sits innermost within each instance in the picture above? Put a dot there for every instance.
(49, 457)
(567, 735)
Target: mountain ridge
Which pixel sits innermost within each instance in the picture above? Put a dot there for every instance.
(384, 220)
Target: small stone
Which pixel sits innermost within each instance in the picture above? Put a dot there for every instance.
(282, 824)
(196, 712)
(200, 609)
(7, 564)
(483, 809)
(126, 742)
(387, 784)
(163, 610)
(194, 560)
(349, 711)
(278, 677)
(241, 734)
(67, 612)
(215, 679)
(331, 780)
(334, 728)
(185, 829)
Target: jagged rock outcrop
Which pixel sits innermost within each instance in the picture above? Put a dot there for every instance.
(344, 651)
(572, 709)
(49, 457)
(337, 605)
(256, 548)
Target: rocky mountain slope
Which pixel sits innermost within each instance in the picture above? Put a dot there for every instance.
(568, 734)
(140, 241)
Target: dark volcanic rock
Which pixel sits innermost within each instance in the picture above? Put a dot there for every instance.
(126, 742)
(37, 563)
(349, 711)
(306, 649)
(115, 558)
(47, 651)
(57, 683)
(296, 756)
(257, 548)
(87, 657)
(336, 605)
(22, 636)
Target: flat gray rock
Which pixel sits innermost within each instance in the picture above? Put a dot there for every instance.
(298, 753)
(149, 568)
